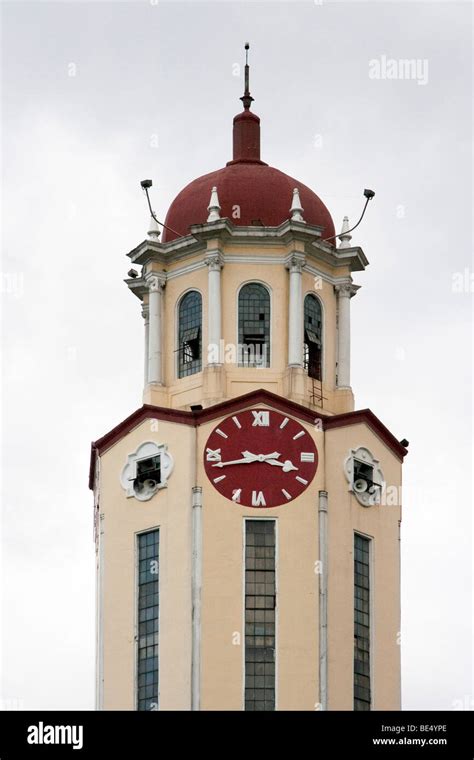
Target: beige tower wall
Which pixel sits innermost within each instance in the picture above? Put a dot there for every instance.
(222, 629)
(223, 595)
(381, 523)
(123, 518)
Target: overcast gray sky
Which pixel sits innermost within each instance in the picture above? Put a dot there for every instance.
(99, 95)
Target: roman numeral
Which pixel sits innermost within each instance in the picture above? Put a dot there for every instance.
(261, 419)
(258, 499)
(307, 456)
(213, 456)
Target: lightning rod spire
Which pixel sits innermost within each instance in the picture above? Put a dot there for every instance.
(247, 98)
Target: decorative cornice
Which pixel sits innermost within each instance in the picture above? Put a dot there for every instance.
(194, 419)
(262, 237)
(187, 269)
(353, 257)
(164, 253)
(139, 287)
(285, 232)
(324, 275)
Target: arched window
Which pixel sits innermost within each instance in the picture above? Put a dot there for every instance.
(190, 334)
(254, 326)
(313, 336)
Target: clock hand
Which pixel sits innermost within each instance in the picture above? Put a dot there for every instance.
(249, 458)
(287, 465)
(261, 457)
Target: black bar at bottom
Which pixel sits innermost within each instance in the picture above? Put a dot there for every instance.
(379, 734)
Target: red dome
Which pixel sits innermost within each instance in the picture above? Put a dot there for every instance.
(250, 192)
(262, 193)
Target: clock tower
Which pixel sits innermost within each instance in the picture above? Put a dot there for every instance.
(247, 517)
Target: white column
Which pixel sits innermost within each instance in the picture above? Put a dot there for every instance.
(344, 294)
(214, 308)
(156, 286)
(145, 315)
(295, 315)
(196, 585)
(323, 599)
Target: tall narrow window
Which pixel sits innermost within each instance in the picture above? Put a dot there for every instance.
(189, 334)
(260, 604)
(147, 654)
(254, 326)
(361, 623)
(313, 336)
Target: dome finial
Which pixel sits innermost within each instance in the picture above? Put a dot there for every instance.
(214, 207)
(296, 209)
(345, 237)
(247, 98)
(153, 229)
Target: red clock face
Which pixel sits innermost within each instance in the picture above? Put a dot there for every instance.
(260, 458)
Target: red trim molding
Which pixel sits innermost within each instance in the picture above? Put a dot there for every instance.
(194, 419)
(368, 417)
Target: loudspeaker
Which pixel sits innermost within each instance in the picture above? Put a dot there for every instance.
(360, 485)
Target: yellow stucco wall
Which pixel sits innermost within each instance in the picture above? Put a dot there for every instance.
(222, 591)
(223, 594)
(123, 518)
(381, 523)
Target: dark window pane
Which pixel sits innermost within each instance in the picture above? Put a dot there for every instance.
(147, 659)
(190, 334)
(254, 326)
(312, 336)
(260, 618)
(361, 624)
